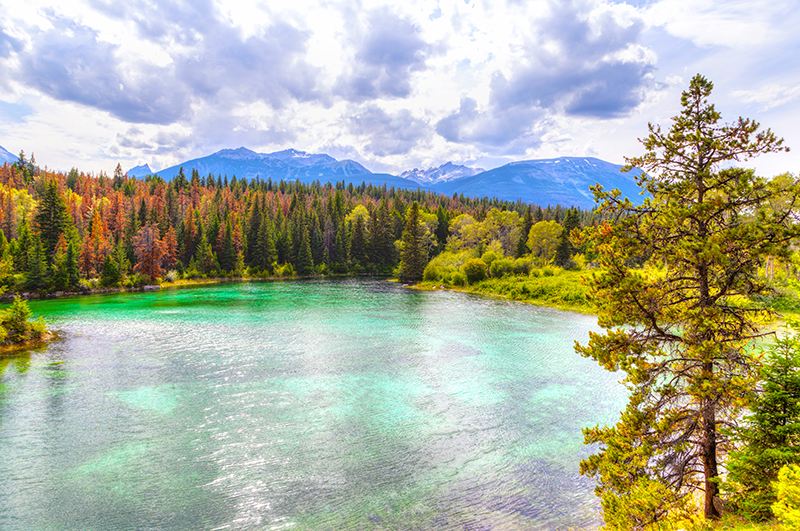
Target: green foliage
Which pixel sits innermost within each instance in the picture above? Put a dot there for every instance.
(413, 257)
(501, 267)
(771, 435)
(15, 324)
(787, 493)
(51, 218)
(681, 337)
(110, 274)
(475, 270)
(543, 240)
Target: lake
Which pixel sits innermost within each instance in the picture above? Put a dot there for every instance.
(342, 404)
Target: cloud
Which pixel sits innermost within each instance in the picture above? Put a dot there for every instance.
(387, 54)
(69, 62)
(207, 60)
(493, 128)
(769, 96)
(389, 134)
(578, 62)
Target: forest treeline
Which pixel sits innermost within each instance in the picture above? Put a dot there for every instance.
(75, 231)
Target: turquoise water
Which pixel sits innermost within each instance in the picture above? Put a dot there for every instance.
(350, 404)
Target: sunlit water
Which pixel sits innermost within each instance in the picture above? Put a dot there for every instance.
(309, 405)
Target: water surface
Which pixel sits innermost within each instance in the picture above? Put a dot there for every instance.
(341, 405)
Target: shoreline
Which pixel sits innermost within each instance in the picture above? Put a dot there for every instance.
(11, 348)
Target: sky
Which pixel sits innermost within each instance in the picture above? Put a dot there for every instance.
(393, 85)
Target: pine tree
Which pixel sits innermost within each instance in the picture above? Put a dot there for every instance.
(565, 249)
(771, 434)
(414, 257)
(305, 262)
(51, 218)
(522, 242)
(73, 276)
(680, 335)
(358, 245)
(227, 252)
(37, 274)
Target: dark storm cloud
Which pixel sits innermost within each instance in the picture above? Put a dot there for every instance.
(388, 53)
(389, 134)
(218, 66)
(581, 77)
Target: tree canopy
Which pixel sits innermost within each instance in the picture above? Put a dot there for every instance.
(680, 330)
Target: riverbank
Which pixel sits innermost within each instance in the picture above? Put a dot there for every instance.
(10, 349)
(566, 290)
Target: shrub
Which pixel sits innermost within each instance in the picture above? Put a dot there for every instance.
(522, 266)
(501, 267)
(458, 278)
(432, 272)
(787, 490)
(285, 270)
(475, 270)
(137, 280)
(489, 256)
(15, 325)
(171, 276)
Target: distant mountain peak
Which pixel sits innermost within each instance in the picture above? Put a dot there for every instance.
(444, 173)
(7, 156)
(238, 153)
(140, 171)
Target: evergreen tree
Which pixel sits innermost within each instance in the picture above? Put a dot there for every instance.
(305, 262)
(358, 244)
(565, 249)
(37, 274)
(51, 218)
(771, 435)
(227, 252)
(681, 336)
(442, 227)
(110, 274)
(522, 241)
(414, 257)
(73, 276)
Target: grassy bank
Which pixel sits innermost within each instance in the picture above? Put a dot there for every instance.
(565, 290)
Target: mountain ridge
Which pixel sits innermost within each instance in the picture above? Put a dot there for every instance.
(562, 180)
(7, 156)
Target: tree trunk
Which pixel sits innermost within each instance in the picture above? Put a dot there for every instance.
(710, 457)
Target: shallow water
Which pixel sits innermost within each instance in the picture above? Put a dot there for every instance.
(349, 404)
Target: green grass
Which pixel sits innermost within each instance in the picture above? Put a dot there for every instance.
(565, 290)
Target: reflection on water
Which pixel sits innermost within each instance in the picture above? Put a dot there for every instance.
(310, 405)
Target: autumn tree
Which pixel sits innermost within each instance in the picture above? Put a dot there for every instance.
(679, 330)
(149, 251)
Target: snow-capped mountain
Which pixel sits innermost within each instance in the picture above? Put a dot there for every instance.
(564, 180)
(444, 173)
(286, 165)
(6, 156)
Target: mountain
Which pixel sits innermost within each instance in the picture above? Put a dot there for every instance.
(287, 165)
(6, 156)
(446, 172)
(140, 171)
(563, 181)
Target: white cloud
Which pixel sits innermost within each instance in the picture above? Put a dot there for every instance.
(374, 79)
